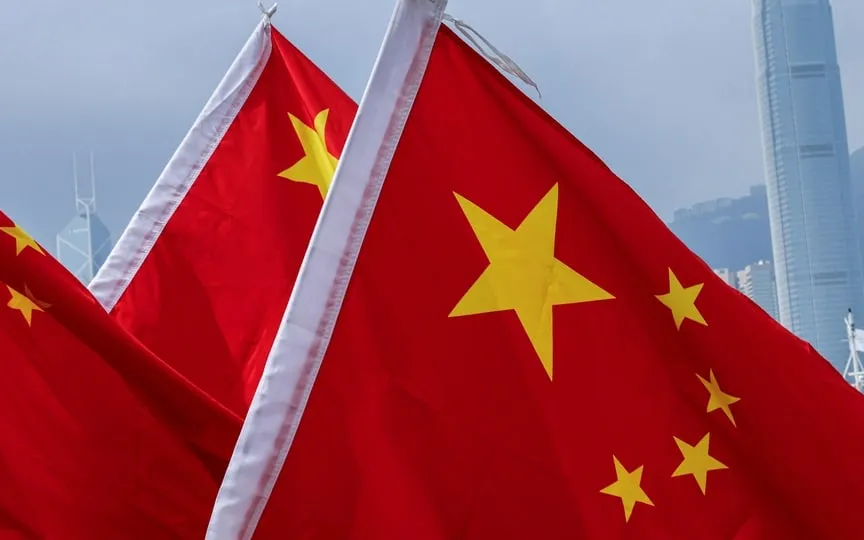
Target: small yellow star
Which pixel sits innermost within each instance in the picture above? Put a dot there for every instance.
(318, 164)
(25, 303)
(697, 461)
(22, 239)
(718, 399)
(628, 488)
(682, 301)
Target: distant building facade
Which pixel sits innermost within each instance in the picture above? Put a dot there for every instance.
(84, 243)
(856, 167)
(726, 275)
(815, 249)
(856, 170)
(757, 283)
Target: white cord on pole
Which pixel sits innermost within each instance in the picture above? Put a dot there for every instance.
(498, 58)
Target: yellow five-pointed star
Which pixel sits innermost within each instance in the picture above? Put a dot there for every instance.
(718, 399)
(25, 303)
(697, 461)
(682, 301)
(22, 239)
(628, 488)
(318, 164)
(523, 273)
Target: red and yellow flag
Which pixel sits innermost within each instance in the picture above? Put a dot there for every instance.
(98, 437)
(203, 273)
(512, 345)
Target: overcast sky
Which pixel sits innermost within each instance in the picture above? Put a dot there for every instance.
(664, 91)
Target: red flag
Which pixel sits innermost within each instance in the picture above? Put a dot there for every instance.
(203, 273)
(100, 439)
(512, 345)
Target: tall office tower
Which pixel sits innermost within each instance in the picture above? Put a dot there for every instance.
(85, 242)
(814, 242)
(757, 283)
(856, 165)
(726, 275)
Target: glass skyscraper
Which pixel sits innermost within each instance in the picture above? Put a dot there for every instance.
(757, 283)
(85, 242)
(83, 245)
(814, 241)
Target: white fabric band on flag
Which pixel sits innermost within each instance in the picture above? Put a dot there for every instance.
(182, 170)
(307, 325)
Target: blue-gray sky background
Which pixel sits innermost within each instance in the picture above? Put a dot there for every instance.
(663, 91)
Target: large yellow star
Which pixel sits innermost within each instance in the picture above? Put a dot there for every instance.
(25, 303)
(682, 301)
(318, 164)
(697, 461)
(22, 239)
(523, 273)
(628, 488)
(718, 398)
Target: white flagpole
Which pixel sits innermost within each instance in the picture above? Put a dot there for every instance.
(310, 317)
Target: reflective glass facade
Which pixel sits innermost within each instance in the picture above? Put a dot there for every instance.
(83, 245)
(757, 283)
(818, 268)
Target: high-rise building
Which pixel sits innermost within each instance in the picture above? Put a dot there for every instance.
(85, 242)
(856, 167)
(726, 275)
(757, 283)
(815, 256)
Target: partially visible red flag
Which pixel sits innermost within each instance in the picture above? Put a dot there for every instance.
(203, 273)
(98, 437)
(513, 346)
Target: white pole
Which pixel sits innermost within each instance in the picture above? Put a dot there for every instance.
(854, 372)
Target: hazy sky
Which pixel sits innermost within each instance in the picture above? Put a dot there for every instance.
(664, 91)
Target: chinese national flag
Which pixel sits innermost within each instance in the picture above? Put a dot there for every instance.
(523, 349)
(203, 273)
(98, 437)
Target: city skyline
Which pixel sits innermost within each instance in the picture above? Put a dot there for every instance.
(634, 103)
(662, 195)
